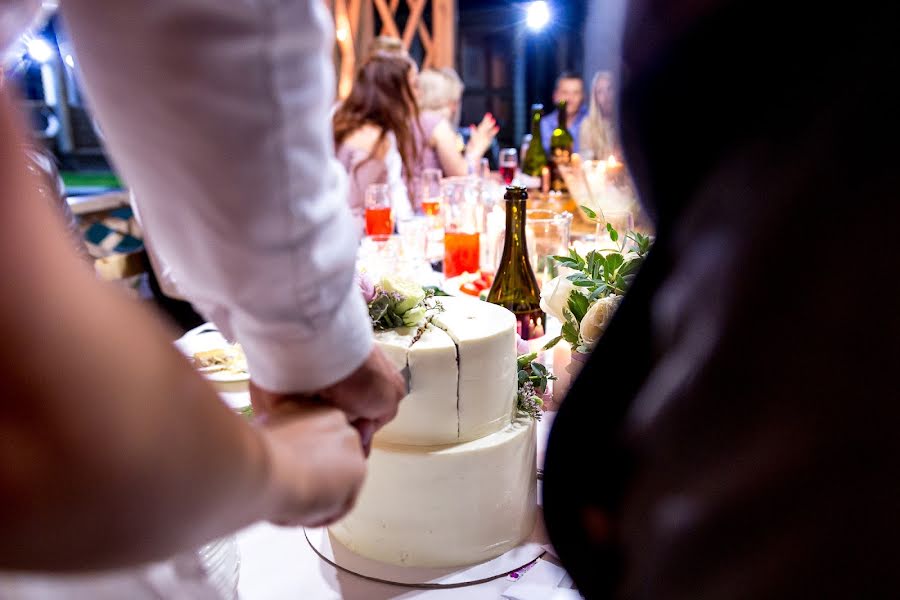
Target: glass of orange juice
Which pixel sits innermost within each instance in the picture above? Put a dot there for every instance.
(379, 214)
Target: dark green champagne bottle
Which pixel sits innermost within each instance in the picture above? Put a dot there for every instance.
(515, 286)
(561, 147)
(535, 156)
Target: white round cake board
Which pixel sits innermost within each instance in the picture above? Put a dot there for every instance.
(337, 555)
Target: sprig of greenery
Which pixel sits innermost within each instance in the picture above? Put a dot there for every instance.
(384, 311)
(434, 290)
(597, 275)
(434, 308)
(533, 378)
(602, 274)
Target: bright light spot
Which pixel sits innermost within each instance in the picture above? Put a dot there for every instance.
(39, 50)
(343, 28)
(70, 61)
(538, 15)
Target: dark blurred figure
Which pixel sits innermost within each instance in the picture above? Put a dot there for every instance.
(736, 433)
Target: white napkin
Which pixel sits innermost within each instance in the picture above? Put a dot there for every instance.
(541, 582)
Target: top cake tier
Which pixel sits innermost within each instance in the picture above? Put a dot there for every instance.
(462, 374)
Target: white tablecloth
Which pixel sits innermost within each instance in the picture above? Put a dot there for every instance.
(278, 563)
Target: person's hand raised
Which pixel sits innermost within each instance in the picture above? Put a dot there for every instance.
(481, 136)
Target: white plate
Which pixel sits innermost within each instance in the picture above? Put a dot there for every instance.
(451, 285)
(205, 338)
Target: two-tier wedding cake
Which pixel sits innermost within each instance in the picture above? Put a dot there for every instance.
(451, 480)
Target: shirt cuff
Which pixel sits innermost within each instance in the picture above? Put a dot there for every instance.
(313, 362)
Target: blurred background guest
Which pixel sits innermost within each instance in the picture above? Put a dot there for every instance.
(374, 132)
(598, 136)
(441, 91)
(569, 88)
(388, 46)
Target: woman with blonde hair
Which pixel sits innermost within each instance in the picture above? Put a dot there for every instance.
(440, 96)
(599, 138)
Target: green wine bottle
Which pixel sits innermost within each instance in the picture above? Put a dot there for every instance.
(535, 156)
(515, 286)
(561, 147)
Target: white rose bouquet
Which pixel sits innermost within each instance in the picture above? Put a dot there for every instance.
(589, 289)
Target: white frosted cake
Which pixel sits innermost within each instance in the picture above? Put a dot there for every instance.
(451, 480)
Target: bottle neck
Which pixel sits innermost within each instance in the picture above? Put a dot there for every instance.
(536, 125)
(515, 227)
(563, 116)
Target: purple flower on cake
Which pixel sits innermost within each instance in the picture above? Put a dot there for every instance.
(366, 286)
(521, 346)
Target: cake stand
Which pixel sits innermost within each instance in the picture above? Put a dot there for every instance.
(330, 550)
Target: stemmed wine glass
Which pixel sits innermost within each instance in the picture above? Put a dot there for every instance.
(509, 164)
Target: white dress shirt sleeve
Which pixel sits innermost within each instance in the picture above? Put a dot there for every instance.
(217, 116)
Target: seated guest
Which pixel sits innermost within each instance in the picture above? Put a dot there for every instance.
(440, 91)
(388, 46)
(598, 136)
(437, 141)
(373, 132)
(569, 87)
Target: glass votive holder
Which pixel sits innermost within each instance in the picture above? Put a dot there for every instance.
(547, 233)
(413, 233)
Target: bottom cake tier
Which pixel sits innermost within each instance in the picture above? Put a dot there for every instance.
(446, 506)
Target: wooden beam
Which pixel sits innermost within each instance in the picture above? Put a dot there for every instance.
(388, 26)
(415, 16)
(344, 37)
(443, 25)
(353, 15)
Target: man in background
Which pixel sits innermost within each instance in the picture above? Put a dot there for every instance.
(569, 87)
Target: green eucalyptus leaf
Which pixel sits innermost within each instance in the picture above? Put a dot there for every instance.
(549, 345)
(614, 260)
(378, 307)
(590, 213)
(578, 304)
(570, 334)
(601, 291)
(631, 266)
(524, 360)
(613, 234)
(577, 258)
(538, 368)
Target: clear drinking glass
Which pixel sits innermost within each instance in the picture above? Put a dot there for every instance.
(547, 233)
(413, 233)
(429, 192)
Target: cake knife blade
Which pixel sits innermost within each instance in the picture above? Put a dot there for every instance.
(407, 376)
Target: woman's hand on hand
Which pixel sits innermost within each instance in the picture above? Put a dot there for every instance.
(316, 463)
